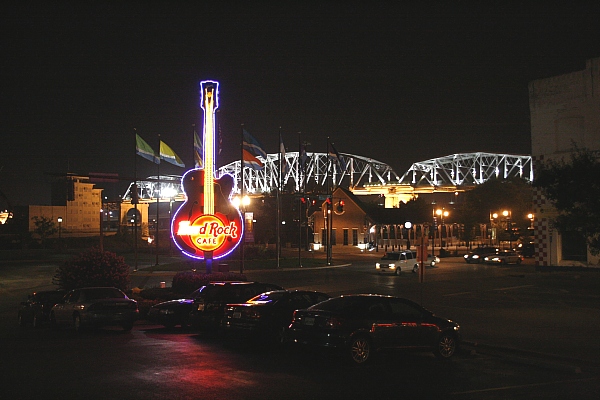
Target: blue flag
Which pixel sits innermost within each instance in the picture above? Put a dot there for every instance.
(253, 146)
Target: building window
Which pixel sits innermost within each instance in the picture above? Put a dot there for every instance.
(354, 236)
(345, 236)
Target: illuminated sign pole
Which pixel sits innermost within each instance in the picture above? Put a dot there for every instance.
(207, 226)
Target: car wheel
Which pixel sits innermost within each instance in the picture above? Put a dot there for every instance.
(398, 270)
(446, 346)
(518, 261)
(21, 320)
(77, 323)
(415, 268)
(360, 350)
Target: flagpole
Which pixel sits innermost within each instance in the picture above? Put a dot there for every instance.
(135, 241)
(242, 200)
(193, 144)
(329, 204)
(277, 229)
(300, 202)
(157, 199)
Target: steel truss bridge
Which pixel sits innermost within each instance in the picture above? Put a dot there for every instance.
(362, 175)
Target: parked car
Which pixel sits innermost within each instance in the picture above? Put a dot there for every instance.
(209, 306)
(526, 249)
(36, 310)
(362, 324)
(504, 257)
(478, 254)
(397, 261)
(95, 307)
(268, 314)
(175, 312)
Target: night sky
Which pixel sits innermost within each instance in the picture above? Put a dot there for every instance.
(396, 83)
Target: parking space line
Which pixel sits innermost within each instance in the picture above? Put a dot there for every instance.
(514, 287)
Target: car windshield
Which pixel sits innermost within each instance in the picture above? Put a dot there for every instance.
(102, 293)
(268, 297)
(391, 256)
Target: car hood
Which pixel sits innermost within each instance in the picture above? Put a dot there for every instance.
(173, 303)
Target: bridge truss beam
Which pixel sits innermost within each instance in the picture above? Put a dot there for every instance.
(467, 169)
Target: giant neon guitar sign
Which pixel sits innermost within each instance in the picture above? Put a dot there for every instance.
(207, 226)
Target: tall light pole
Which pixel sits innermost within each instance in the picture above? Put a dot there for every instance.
(442, 213)
(59, 220)
(241, 203)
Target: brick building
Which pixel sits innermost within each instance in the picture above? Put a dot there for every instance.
(565, 111)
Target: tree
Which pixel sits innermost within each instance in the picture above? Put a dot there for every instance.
(93, 268)
(574, 189)
(44, 227)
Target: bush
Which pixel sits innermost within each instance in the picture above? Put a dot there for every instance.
(186, 282)
(93, 268)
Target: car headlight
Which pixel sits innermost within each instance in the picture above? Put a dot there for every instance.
(475, 256)
(466, 256)
(377, 265)
(392, 266)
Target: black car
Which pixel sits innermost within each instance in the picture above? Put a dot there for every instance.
(95, 307)
(361, 324)
(205, 306)
(36, 310)
(174, 312)
(478, 254)
(267, 315)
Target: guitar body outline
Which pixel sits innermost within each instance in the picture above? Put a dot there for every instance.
(192, 210)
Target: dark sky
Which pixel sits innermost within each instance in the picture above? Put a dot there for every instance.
(396, 83)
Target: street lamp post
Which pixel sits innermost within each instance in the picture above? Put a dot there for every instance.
(442, 213)
(241, 203)
(59, 220)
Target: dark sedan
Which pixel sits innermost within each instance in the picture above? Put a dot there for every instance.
(206, 304)
(36, 310)
(362, 324)
(95, 307)
(267, 315)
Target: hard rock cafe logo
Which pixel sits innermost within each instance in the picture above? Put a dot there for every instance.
(207, 235)
(208, 232)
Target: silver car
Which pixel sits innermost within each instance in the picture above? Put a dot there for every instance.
(504, 257)
(397, 261)
(95, 307)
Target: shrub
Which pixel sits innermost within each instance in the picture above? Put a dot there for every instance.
(188, 281)
(93, 268)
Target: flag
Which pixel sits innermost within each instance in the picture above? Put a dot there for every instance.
(283, 161)
(335, 156)
(167, 154)
(303, 156)
(251, 161)
(198, 151)
(253, 146)
(143, 149)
